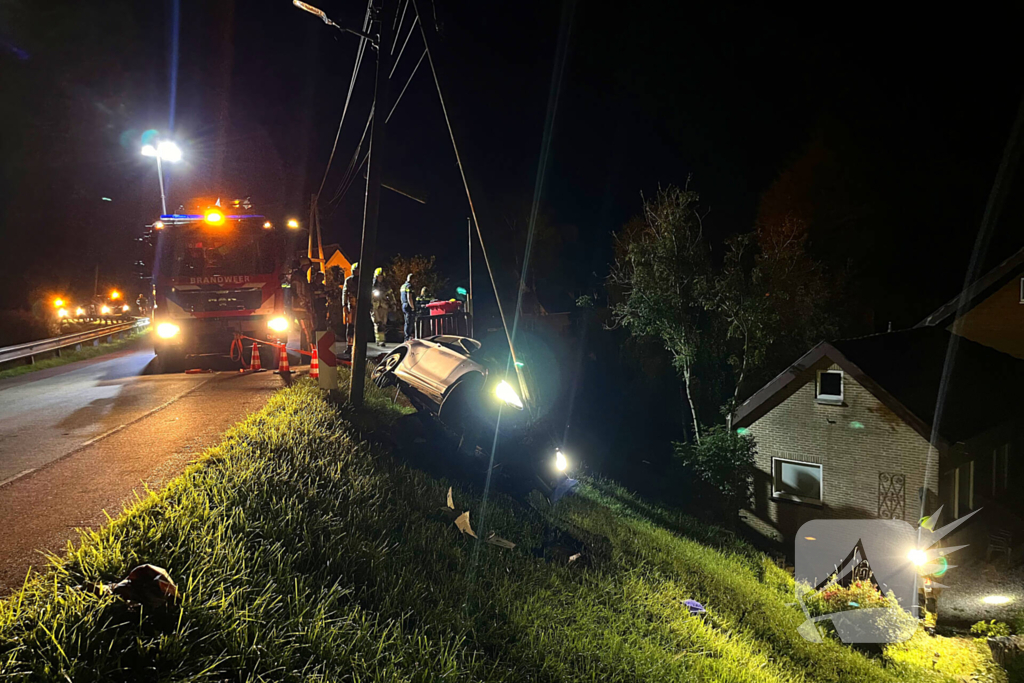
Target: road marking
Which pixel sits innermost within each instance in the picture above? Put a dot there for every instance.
(105, 434)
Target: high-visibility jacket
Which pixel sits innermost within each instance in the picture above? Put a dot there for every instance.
(407, 299)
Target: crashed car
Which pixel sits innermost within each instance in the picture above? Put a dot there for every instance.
(474, 391)
(457, 379)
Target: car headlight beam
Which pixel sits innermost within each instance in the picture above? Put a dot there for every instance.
(561, 462)
(506, 393)
(167, 330)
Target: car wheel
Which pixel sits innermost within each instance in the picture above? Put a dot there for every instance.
(384, 374)
(457, 412)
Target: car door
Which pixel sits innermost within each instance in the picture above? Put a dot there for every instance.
(437, 364)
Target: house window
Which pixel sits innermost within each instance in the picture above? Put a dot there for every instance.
(799, 481)
(1022, 290)
(830, 387)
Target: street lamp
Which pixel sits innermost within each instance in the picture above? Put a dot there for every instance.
(316, 11)
(293, 224)
(165, 150)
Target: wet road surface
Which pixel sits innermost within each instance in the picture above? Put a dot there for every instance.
(80, 440)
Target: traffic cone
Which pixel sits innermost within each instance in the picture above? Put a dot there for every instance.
(282, 362)
(254, 362)
(314, 365)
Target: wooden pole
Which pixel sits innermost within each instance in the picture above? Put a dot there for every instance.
(371, 206)
(469, 299)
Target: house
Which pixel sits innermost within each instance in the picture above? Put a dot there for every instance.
(883, 426)
(990, 311)
(333, 256)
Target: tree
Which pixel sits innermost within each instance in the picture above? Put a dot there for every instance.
(772, 297)
(424, 274)
(724, 461)
(662, 272)
(730, 325)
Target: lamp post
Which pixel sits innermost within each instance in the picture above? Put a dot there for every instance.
(165, 150)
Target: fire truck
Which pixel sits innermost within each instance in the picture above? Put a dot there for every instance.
(217, 280)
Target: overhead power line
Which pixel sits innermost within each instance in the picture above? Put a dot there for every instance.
(472, 208)
(351, 86)
(353, 170)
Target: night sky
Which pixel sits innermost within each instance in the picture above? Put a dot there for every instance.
(898, 119)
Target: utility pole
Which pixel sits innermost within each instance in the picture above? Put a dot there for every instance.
(469, 299)
(371, 206)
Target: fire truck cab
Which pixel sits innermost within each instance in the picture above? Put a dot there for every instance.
(217, 275)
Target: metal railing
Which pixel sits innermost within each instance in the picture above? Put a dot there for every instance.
(458, 323)
(55, 344)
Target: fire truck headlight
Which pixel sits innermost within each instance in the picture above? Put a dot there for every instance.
(278, 324)
(62, 313)
(79, 311)
(105, 309)
(167, 330)
(125, 308)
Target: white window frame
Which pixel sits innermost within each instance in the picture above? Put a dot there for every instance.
(1022, 290)
(800, 499)
(830, 399)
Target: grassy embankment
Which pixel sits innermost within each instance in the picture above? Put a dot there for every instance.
(303, 553)
(70, 356)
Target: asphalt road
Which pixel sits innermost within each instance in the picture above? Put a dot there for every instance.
(80, 440)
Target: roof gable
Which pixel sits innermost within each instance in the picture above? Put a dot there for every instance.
(920, 374)
(982, 288)
(797, 375)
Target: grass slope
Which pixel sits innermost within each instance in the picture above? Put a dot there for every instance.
(70, 356)
(303, 553)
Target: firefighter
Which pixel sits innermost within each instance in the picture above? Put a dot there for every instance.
(423, 299)
(349, 298)
(409, 308)
(383, 299)
(319, 296)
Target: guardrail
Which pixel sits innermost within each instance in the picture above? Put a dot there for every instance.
(459, 323)
(55, 344)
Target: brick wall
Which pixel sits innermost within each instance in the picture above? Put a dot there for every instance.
(854, 443)
(996, 322)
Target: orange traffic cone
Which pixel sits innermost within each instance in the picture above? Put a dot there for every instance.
(282, 362)
(314, 365)
(254, 362)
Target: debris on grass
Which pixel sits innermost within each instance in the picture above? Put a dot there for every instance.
(694, 607)
(565, 488)
(495, 539)
(146, 585)
(462, 522)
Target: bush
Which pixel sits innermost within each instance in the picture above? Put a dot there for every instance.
(836, 598)
(723, 460)
(991, 629)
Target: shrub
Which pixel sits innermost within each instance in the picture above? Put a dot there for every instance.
(724, 461)
(836, 598)
(990, 629)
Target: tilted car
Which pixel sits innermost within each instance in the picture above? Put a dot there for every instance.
(474, 390)
(464, 383)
